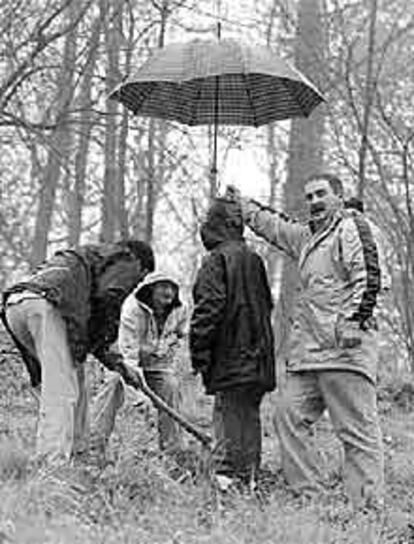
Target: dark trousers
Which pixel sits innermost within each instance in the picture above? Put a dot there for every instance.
(237, 431)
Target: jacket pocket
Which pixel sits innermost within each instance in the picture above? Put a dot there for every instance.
(348, 333)
(318, 333)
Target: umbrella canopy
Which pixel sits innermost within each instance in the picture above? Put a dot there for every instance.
(227, 82)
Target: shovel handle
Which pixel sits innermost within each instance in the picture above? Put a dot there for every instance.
(162, 405)
(142, 385)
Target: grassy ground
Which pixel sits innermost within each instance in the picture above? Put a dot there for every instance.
(143, 497)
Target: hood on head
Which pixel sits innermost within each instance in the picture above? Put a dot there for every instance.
(143, 291)
(224, 222)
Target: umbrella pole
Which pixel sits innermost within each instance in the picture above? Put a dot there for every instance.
(214, 171)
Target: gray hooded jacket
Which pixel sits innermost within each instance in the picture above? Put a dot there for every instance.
(139, 341)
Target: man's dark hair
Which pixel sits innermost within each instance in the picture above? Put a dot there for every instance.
(334, 182)
(142, 251)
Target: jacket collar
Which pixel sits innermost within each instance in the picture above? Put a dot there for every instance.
(319, 236)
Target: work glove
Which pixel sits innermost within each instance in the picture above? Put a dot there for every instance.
(133, 375)
(348, 333)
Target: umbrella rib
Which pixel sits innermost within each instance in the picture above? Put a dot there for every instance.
(249, 98)
(297, 102)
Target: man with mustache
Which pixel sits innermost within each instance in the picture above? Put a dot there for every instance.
(334, 340)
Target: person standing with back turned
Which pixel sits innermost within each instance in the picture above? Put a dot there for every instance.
(231, 340)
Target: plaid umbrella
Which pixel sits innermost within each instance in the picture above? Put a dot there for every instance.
(217, 82)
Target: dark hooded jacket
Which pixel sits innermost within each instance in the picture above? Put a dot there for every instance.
(88, 286)
(231, 337)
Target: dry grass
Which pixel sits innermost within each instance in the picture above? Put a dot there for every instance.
(144, 497)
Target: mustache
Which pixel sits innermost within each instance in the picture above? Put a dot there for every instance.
(316, 208)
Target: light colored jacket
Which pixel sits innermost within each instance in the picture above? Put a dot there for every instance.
(139, 341)
(341, 277)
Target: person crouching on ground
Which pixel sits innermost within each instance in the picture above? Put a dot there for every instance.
(231, 341)
(69, 308)
(153, 327)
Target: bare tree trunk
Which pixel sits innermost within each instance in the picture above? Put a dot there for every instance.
(123, 137)
(76, 197)
(272, 259)
(370, 84)
(58, 149)
(150, 204)
(111, 13)
(138, 214)
(305, 156)
(122, 214)
(152, 132)
(408, 279)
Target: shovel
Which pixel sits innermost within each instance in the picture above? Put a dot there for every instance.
(115, 363)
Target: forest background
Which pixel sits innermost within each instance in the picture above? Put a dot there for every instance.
(76, 167)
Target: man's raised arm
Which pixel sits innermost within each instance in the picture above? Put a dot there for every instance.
(277, 228)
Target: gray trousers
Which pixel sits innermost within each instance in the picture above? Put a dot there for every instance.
(237, 432)
(63, 428)
(112, 396)
(350, 399)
